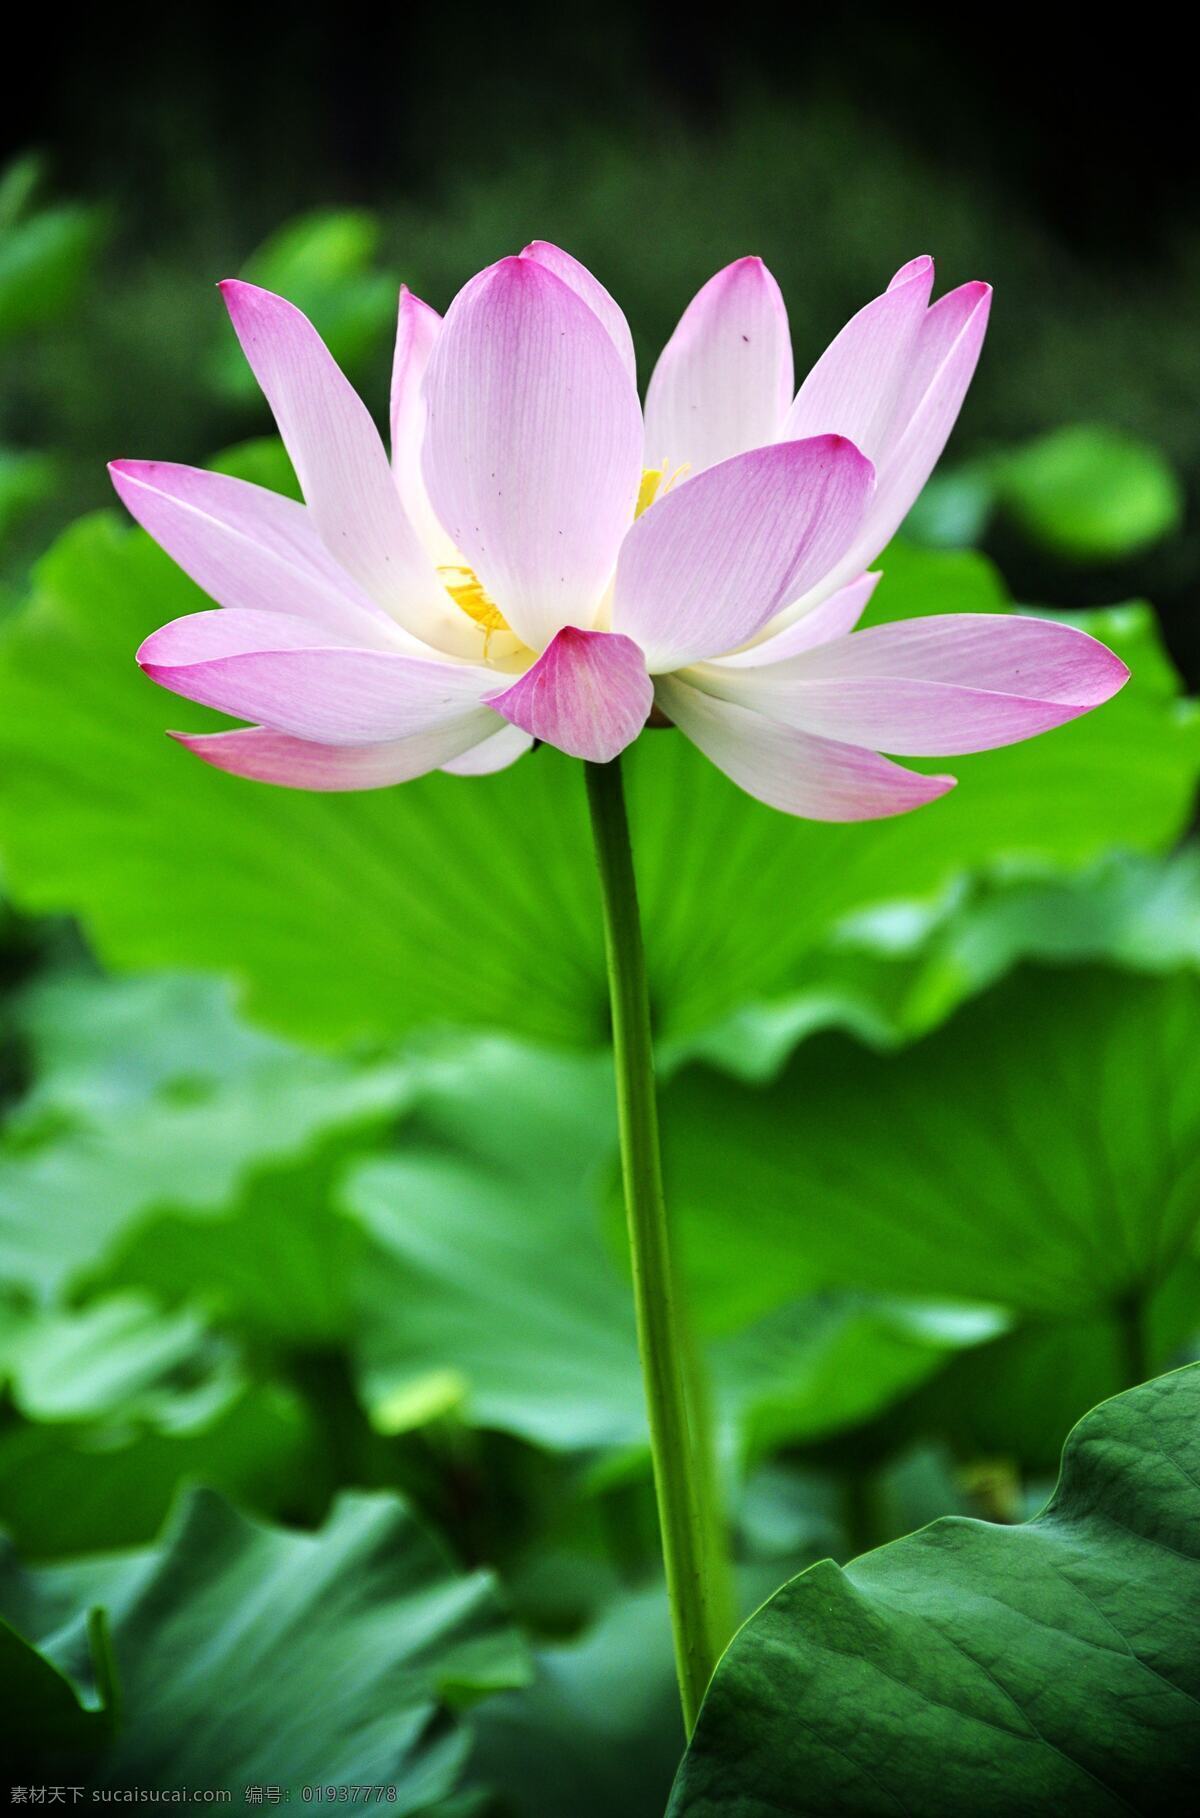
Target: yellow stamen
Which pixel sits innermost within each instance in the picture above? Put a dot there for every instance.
(655, 482)
(468, 593)
(648, 490)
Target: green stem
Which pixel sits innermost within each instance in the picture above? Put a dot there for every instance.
(683, 1479)
(722, 1612)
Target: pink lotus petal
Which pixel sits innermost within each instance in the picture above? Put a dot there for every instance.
(339, 460)
(200, 637)
(832, 618)
(791, 770)
(579, 279)
(940, 335)
(248, 547)
(713, 562)
(534, 445)
(417, 329)
(495, 752)
(943, 363)
(1041, 658)
(723, 383)
(294, 677)
(934, 687)
(588, 694)
(855, 385)
(914, 268)
(273, 757)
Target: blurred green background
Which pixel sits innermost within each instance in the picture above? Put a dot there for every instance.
(307, 1179)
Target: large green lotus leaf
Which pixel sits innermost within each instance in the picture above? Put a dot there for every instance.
(250, 1656)
(59, 1739)
(1040, 1151)
(1089, 492)
(118, 1354)
(1134, 912)
(1016, 1399)
(148, 1094)
(598, 1731)
(716, 934)
(1139, 913)
(280, 1263)
(46, 253)
(469, 1267)
(44, 1599)
(492, 1282)
(70, 1486)
(488, 1268)
(27, 479)
(475, 900)
(1041, 1669)
(820, 1366)
(890, 974)
(960, 581)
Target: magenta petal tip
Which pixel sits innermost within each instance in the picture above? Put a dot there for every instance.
(588, 694)
(238, 293)
(124, 469)
(920, 267)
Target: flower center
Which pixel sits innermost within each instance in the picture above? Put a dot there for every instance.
(467, 590)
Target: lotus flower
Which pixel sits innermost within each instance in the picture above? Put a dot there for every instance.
(537, 562)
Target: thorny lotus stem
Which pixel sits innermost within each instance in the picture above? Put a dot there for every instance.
(692, 1538)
